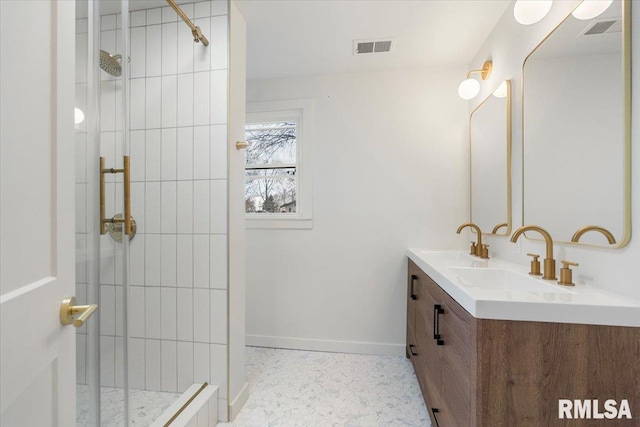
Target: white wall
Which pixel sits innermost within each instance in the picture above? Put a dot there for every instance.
(616, 270)
(390, 171)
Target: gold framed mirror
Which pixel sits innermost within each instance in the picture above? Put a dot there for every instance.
(490, 162)
(576, 130)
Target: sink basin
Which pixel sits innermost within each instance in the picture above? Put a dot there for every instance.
(506, 280)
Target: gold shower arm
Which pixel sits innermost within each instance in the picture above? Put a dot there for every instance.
(197, 33)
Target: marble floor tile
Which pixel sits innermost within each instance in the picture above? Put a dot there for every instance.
(290, 388)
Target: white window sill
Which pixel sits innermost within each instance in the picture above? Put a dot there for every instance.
(278, 223)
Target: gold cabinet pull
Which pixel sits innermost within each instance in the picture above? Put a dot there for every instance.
(68, 309)
(126, 171)
(241, 145)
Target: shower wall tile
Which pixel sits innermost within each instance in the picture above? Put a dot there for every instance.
(136, 257)
(201, 143)
(201, 84)
(185, 207)
(153, 312)
(219, 206)
(107, 361)
(169, 154)
(152, 260)
(138, 18)
(152, 207)
(154, 50)
(119, 310)
(137, 99)
(108, 22)
(81, 265)
(185, 261)
(169, 101)
(185, 365)
(218, 355)
(201, 362)
(82, 25)
(168, 261)
(153, 365)
(218, 316)
(137, 154)
(169, 366)
(119, 363)
(201, 315)
(202, 10)
(201, 207)
(138, 52)
(185, 153)
(219, 97)
(185, 51)
(109, 44)
(218, 149)
(200, 261)
(202, 53)
(138, 205)
(219, 42)
(185, 308)
(81, 58)
(137, 314)
(81, 358)
(169, 15)
(218, 261)
(219, 7)
(170, 48)
(153, 115)
(107, 310)
(169, 321)
(153, 154)
(81, 208)
(108, 106)
(154, 16)
(168, 206)
(137, 362)
(185, 99)
(107, 260)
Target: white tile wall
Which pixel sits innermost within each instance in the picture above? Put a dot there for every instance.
(178, 149)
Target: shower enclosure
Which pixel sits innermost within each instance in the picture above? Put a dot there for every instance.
(151, 206)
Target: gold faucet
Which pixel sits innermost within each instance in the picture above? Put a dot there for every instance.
(549, 262)
(476, 249)
(498, 227)
(607, 233)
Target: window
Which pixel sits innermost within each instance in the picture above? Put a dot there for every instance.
(277, 168)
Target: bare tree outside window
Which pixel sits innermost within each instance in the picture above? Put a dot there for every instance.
(271, 164)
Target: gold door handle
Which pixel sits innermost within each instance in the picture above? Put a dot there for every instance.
(126, 171)
(69, 308)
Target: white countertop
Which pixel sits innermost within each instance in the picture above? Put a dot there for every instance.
(566, 304)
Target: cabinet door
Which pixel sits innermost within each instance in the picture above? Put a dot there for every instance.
(430, 352)
(456, 328)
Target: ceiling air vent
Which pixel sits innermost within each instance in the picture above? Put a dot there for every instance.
(602, 27)
(372, 46)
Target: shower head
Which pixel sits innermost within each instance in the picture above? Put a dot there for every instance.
(111, 63)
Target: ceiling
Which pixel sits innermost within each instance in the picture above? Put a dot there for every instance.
(287, 38)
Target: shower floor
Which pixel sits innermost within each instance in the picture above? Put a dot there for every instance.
(145, 406)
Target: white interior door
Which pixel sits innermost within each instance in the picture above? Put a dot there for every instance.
(37, 249)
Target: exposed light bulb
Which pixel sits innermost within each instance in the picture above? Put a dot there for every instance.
(78, 115)
(589, 9)
(468, 89)
(529, 12)
(501, 91)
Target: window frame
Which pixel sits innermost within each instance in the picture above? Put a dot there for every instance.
(299, 110)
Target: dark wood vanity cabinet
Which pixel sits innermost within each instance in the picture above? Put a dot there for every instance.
(492, 373)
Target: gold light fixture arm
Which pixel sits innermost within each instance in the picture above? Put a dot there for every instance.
(197, 33)
(485, 72)
(607, 233)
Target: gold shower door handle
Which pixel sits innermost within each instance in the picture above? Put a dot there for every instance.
(68, 309)
(126, 171)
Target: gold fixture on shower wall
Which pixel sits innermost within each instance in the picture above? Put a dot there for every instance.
(197, 33)
(117, 219)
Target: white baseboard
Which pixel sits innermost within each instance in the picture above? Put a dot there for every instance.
(238, 402)
(378, 349)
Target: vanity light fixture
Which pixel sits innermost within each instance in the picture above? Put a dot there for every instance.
(528, 12)
(589, 9)
(469, 88)
(501, 91)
